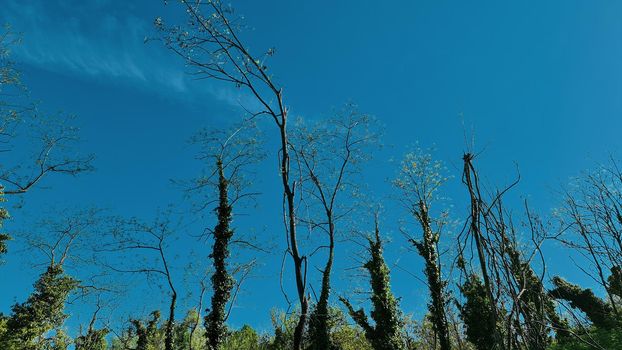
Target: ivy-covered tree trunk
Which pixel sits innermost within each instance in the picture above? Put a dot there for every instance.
(319, 330)
(169, 331)
(427, 249)
(386, 334)
(222, 282)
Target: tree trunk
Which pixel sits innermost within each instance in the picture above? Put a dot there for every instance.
(293, 238)
(428, 251)
(170, 324)
(320, 332)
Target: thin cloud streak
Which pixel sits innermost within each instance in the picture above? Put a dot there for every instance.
(110, 46)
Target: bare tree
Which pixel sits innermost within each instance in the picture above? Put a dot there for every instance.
(328, 157)
(64, 236)
(150, 240)
(199, 308)
(592, 218)
(32, 145)
(36, 144)
(210, 44)
(591, 221)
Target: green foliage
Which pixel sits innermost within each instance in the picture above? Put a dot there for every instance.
(597, 311)
(147, 335)
(341, 335)
(35, 324)
(284, 326)
(344, 336)
(94, 339)
(4, 214)
(476, 314)
(595, 338)
(319, 328)
(615, 281)
(420, 177)
(185, 338)
(421, 335)
(244, 338)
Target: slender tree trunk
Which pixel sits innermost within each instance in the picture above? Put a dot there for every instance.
(170, 324)
(299, 270)
(198, 319)
(321, 333)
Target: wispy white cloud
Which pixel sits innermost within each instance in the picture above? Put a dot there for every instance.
(102, 39)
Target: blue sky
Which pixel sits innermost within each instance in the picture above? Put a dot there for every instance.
(538, 84)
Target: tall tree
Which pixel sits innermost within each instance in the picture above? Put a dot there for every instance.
(328, 156)
(210, 43)
(230, 153)
(514, 312)
(30, 322)
(483, 292)
(418, 181)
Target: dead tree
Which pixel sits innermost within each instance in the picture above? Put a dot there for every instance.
(471, 180)
(517, 311)
(531, 316)
(418, 182)
(210, 43)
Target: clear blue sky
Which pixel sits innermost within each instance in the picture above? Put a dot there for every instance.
(539, 83)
